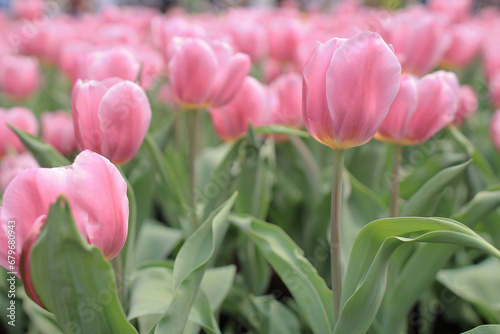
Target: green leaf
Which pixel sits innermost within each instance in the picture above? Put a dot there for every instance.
(216, 283)
(274, 317)
(425, 199)
(485, 329)
(366, 276)
(155, 242)
(281, 130)
(189, 268)
(45, 154)
(477, 284)
(152, 295)
(422, 267)
(44, 321)
(287, 259)
(72, 278)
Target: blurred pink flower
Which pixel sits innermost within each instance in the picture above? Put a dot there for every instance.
(19, 76)
(58, 130)
(20, 118)
(467, 104)
(12, 165)
(495, 130)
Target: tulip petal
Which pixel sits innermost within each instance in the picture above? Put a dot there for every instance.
(99, 202)
(315, 107)
(361, 84)
(229, 79)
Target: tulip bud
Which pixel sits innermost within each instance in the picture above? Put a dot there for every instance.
(110, 117)
(20, 118)
(494, 90)
(19, 76)
(58, 131)
(348, 88)
(467, 104)
(466, 41)
(97, 196)
(436, 107)
(203, 74)
(250, 106)
(111, 63)
(288, 89)
(13, 165)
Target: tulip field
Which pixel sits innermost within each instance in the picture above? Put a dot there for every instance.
(316, 168)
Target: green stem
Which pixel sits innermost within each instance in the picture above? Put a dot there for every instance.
(131, 238)
(194, 135)
(335, 228)
(396, 165)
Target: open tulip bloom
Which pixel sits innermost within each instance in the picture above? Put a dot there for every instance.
(173, 173)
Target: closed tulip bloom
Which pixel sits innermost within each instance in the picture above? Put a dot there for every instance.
(491, 61)
(394, 125)
(495, 130)
(112, 63)
(284, 35)
(19, 76)
(203, 74)
(110, 117)
(20, 118)
(467, 104)
(250, 106)
(58, 131)
(456, 10)
(288, 89)
(248, 37)
(97, 195)
(348, 88)
(436, 107)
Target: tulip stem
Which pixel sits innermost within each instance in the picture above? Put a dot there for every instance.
(335, 228)
(129, 255)
(397, 150)
(194, 135)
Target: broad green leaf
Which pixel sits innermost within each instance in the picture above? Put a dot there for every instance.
(287, 259)
(72, 278)
(152, 295)
(44, 321)
(274, 317)
(425, 199)
(254, 268)
(366, 276)
(216, 283)
(189, 268)
(485, 329)
(155, 242)
(45, 154)
(422, 267)
(478, 284)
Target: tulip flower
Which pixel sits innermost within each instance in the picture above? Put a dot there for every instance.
(96, 193)
(348, 88)
(250, 106)
(110, 117)
(436, 107)
(206, 74)
(466, 41)
(467, 104)
(284, 35)
(13, 165)
(248, 36)
(111, 63)
(19, 76)
(20, 118)
(58, 131)
(495, 130)
(456, 10)
(28, 9)
(494, 90)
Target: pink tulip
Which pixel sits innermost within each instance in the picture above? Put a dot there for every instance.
(348, 88)
(394, 126)
(19, 76)
(466, 41)
(111, 63)
(495, 130)
(111, 117)
(97, 195)
(203, 74)
(12, 165)
(419, 40)
(288, 89)
(20, 118)
(152, 68)
(249, 106)
(491, 60)
(456, 10)
(58, 130)
(28, 9)
(467, 104)
(248, 37)
(284, 35)
(436, 107)
(72, 59)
